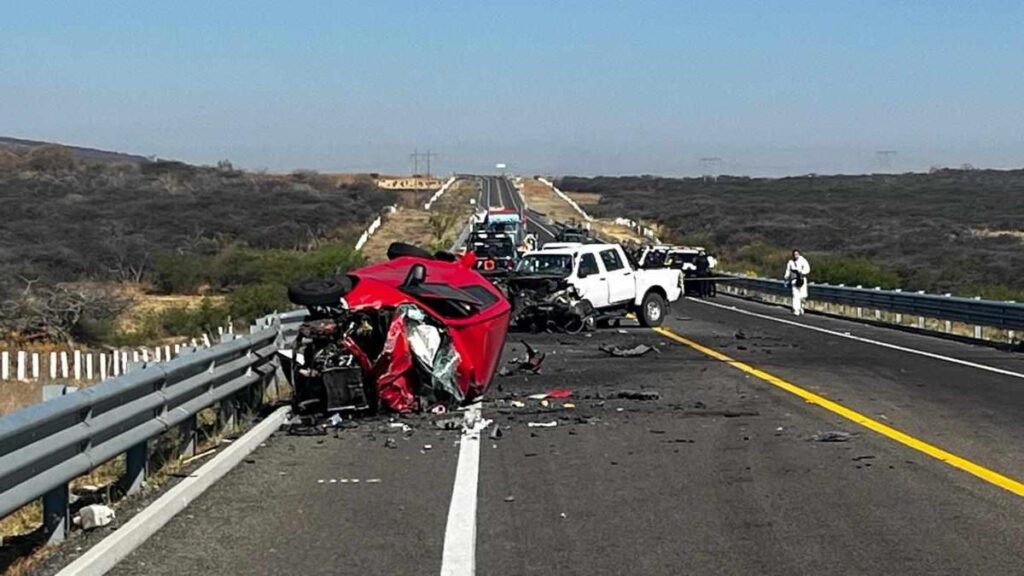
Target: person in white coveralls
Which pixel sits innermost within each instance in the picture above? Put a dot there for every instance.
(797, 269)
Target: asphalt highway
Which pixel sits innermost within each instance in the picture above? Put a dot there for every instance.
(499, 192)
(724, 473)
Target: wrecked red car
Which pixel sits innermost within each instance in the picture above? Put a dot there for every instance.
(417, 332)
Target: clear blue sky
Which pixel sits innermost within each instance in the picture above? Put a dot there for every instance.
(555, 87)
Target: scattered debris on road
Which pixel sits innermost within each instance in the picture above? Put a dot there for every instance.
(550, 424)
(622, 352)
(832, 436)
(644, 395)
(531, 362)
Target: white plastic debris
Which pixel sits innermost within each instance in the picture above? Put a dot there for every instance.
(95, 516)
(551, 424)
(424, 340)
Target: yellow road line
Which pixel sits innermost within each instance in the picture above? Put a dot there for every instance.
(953, 460)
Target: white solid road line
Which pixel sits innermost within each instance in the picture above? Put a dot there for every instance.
(949, 359)
(541, 226)
(459, 556)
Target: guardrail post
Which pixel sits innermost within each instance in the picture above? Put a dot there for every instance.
(136, 468)
(187, 434)
(949, 326)
(228, 413)
(920, 322)
(56, 514)
(977, 332)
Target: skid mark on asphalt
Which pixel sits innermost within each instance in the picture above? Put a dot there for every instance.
(459, 556)
(932, 355)
(935, 452)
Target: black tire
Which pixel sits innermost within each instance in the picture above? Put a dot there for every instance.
(319, 291)
(652, 310)
(400, 249)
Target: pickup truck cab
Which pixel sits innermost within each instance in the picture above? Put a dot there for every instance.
(602, 275)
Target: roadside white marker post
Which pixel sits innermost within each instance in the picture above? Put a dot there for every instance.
(22, 361)
(53, 365)
(103, 367)
(88, 366)
(5, 365)
(35, 366)
(77, 363)
(64, 373)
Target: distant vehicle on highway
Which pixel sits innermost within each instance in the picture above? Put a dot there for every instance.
(600, 275)
(573, 234)
(682, 258)
(505, 221)
(495, 252)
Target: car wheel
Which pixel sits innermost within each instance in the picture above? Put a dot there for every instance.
(652, 310)
(319, 291)
(399, 249)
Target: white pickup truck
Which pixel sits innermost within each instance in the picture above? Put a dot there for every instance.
(603, 276)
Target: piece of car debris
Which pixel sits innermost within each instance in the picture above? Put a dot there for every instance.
(454, 423)
(496, 432)
(95, 516)
(638, 395)
(832, 436)
(634, 352)
(532, 361)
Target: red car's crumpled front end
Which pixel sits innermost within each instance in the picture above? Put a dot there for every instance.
(424, 332)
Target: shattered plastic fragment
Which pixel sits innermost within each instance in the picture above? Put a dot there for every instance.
(550, 424)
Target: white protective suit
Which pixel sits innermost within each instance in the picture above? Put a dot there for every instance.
(802, 267)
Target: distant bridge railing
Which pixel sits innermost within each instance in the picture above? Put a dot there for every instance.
(975, 312)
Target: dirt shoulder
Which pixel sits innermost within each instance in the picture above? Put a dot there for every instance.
(541, 198)
(432, 229)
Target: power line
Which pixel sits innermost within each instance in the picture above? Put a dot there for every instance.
(416, 156)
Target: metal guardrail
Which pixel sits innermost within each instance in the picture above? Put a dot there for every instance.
(1004, 315)
(45, 446)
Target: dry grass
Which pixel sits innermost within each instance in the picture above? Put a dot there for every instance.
(585, 198)
(15, 395)
(146, 305)
(542, 198)
(412, 225)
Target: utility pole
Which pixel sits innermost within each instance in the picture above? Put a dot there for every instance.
(885, 158)
(428, 155)
(709, 168)
(416, 156)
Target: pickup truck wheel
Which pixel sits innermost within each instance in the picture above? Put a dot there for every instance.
(652, 310)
